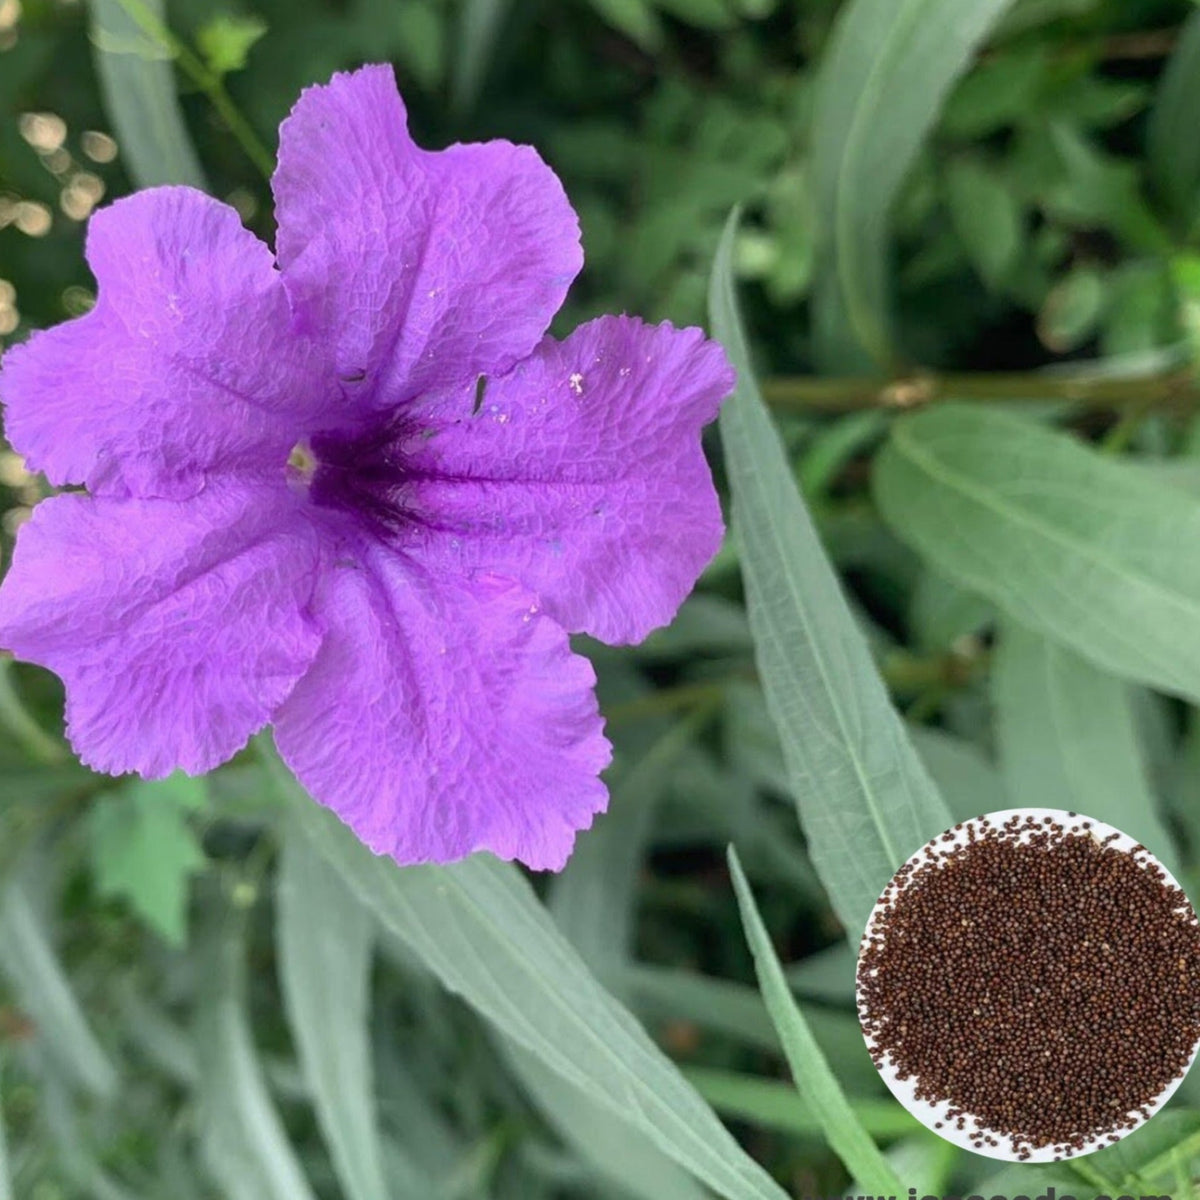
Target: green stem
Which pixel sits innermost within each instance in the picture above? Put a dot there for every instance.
(1176, 389)
(901, 671)
(206, 80)
(1117, 440)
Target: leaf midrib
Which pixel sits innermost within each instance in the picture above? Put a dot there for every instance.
(582, 1079)
(815, 645)
(928, 461)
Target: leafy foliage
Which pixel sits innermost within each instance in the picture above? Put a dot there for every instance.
(145, 850)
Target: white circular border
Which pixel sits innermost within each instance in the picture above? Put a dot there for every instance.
(929, 1113)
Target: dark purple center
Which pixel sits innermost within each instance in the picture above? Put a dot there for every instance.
(368, 474)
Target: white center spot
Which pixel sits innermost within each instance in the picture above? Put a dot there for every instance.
(302, 463)
(576, 382)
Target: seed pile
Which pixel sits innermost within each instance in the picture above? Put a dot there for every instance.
(1037, 978)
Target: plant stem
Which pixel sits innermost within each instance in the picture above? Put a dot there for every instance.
(902, 672)
(1177, 389)
(209, 82)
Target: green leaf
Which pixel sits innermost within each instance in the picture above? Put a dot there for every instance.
(814, 1080)
(703, 14)
(1151, 1153)
(1148, 1156)
(139, 97)
(708, 625)
(1185, 272)
(73, 1155)
(155, 1035)
(21, 725)
(1140, 308)
(864, 798)
(1101, 190)
(478, 926)
(941, 612)
(1172, 148)
(242, 1141)
(325, 940)
(831, 448)
(997, 92)
(225, 41)
(43, 990)
(1069, 542)
(607, 1143)
(1181, 788)
(6, 1187)
(635, 19)
(1028, 14)
(775, 1105)
(1067, 738)
(144, 850)
(1034, 1179)
(479, 27)
(827, 975)
(987, 216)
(885, 73)
(971, 784)
(421, 41)
(593, 901)
(1072, 309)
(736, 1011)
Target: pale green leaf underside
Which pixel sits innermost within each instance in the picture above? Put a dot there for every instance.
(814, 1080)
(883, 78)
(140, 98)
(1091, 552)
(325, 941)
(1068, 740)
(478, 926)
(865, 800)
(242, 1138)
(31, 966)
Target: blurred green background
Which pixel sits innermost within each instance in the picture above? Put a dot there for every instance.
(1042, 255)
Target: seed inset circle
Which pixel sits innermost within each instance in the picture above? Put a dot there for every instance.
(1029, 985)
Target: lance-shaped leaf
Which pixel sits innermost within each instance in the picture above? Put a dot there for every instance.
(326, 938)
(477, 925)
(881, 84)
(1093, 553)
(814, 1079)
(864, 797)
(1068, 739)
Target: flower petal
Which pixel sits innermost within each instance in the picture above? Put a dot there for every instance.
(422, 267)
(582, 475)
(186, 363)
(440, 720)
(178, 628)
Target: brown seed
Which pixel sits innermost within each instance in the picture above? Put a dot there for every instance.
(1036, 977)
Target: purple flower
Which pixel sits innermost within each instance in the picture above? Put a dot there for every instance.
(354, 492)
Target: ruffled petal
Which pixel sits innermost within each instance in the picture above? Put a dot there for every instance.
(187, 363)
(177, 628)
(582, 475)
(439, 720)
(421, 268)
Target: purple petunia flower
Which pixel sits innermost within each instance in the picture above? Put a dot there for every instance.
(303, 512)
